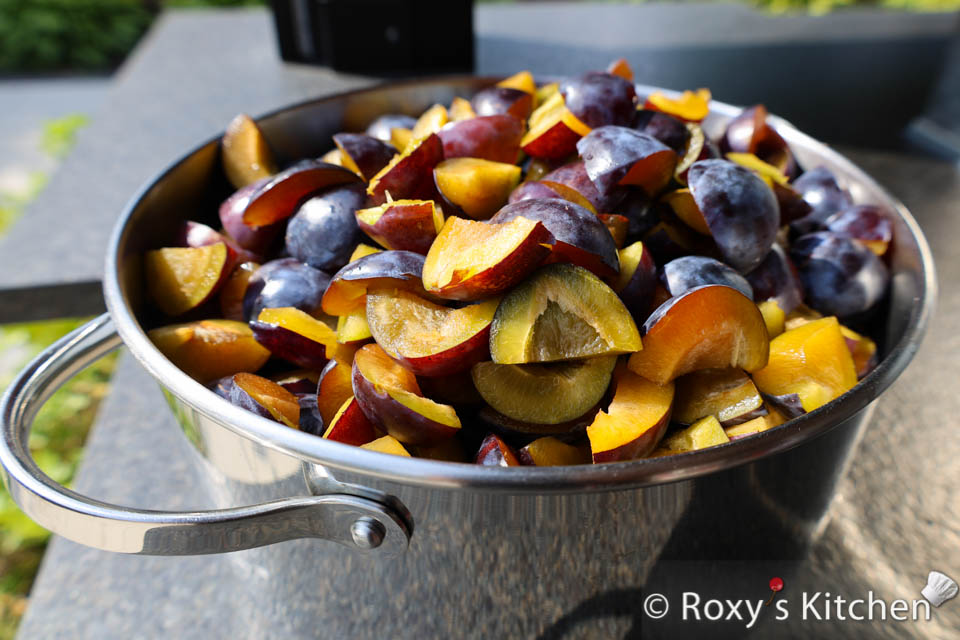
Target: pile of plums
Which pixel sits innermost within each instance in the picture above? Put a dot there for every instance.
(539, 275)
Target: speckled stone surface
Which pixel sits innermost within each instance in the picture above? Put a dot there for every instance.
(894, 519)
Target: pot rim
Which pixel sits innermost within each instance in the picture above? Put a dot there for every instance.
(525, 479)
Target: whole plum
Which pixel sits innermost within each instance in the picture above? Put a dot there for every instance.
(323, 232)
(286, 282)
(819, 188)
(598, 99)
(686, 273)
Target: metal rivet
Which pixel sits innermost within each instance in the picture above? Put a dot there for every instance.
(367, 533)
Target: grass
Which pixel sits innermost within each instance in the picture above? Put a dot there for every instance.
(61, 426)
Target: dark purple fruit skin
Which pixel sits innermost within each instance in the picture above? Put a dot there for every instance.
(310, 419)
(382, 126)
(240, 398)
(196, 234)
(664, 127)
(609, 153)
(289, 345)
(292, 284)
(222, 387)
(739, 208)
(788, 405)
(259, 240)
(323, 232)
(570, 224)
(399, 265)
(599, 99)
(767, 144)
(840, 276)
(792, 205)
(300, 386)
(495, 138)
(368, 153)
(639, 210)
(532, 189)
(864, 222)
(819, 188)
(494, 101)
(777, 278)
(689, 272)
(494, 452)
(574, 175)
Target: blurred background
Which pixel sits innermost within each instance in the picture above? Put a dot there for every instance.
(893, 73)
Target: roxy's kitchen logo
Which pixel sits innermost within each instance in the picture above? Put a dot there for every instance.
(809, 606)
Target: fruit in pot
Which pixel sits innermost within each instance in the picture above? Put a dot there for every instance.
(495, 138)
(773, 317)
(196, 234)
(749, 132)
(388, 394)
(776, 278)
(615, 156)
(727, 394)
(404, 225)
(819, 189)
(210, 349)
(739, 209)
(550, 452)
(637, 280)
(264, 398)
(475, 186)
(260, 239)
(298, 338)
(286, 282)
(522, 80)
(635, 421)
(310, 420)
(710, 327)
(599, 99)
(408, 175)
(840, 276)
(246, 153)
(580, 237)
(640, 211)
(476, 260)
(323, 231)
(618, 227)
(698, 148)
(757, 425)
(702, 434)
(665, 128)
(620, 67)
(334, 387)
(553, 131)
(279, 197)
(519, 433)
(430, 121)
(387, 444)
(573, 175)
(502, 100)
(349, 426)
(809, 366)
(383, 127)
(689, 272)
(685, 208)
(562, 312)
(363, 154)
(182, 278)
(348, 288)
(494, 452)
(532, 189)
(429, 339)
(692, 106)
(863, 350)
(865, 223)
(460, 109)
(544, 394)
(353, 327)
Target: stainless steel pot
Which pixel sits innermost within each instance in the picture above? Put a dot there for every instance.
(462, 535)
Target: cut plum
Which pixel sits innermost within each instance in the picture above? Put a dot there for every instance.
(387, 444)
(562, 312)
(692, 106)
(702, 434)
(667, 129)
(580, 237)
(494, 452)
(727, 394)
(776, 278)
(333, 389)
(476, 260)
(573, 175)
(495, 138)
(388, 394)
(519, 433)
(280, 196)
(323, 231)
(259, 240)
(430, 121)
(550, 452)
(403, 225)
(865, 223)
(182, 278)
(348, 288)
(286, 282)
(210, 349)
(618, 226)
(635, 421)
(637, 280)
(349, 426)
(265, 398)
(409, 175)
(749, 132)
(246, 154)
(710, 327)
(522, 80)
(616, 156)
(863, 350)
(363, 154)
(689, 272)
(429, 339)
(475, 186)
(299, 338)
(553, 131)
(503, 100)
(383, 127)
(460, 109)
(599, 99)
(809, 366)
(544, 394)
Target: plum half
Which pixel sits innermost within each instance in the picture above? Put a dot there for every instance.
(475, 186)
(348, 287)
(182, 278)
(727, 394)
(279, 197)
(616, 156)
(495, 138)
(210, 349)
(404, 225)
(635, 421)
(544, 394)
(562, 312)
(323, 231)
(246, 155)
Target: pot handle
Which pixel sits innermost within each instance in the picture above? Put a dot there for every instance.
(354, 521)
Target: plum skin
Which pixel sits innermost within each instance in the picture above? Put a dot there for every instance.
(382, 127)
(840, 276)
(323, 232)
(776, 278)
(255, 239)
(819, 189)
(286, 282)
(598, 99)
(739, 208)
(686, 273)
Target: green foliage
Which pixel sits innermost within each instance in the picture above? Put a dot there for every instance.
(59, 134)
(12, 204)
